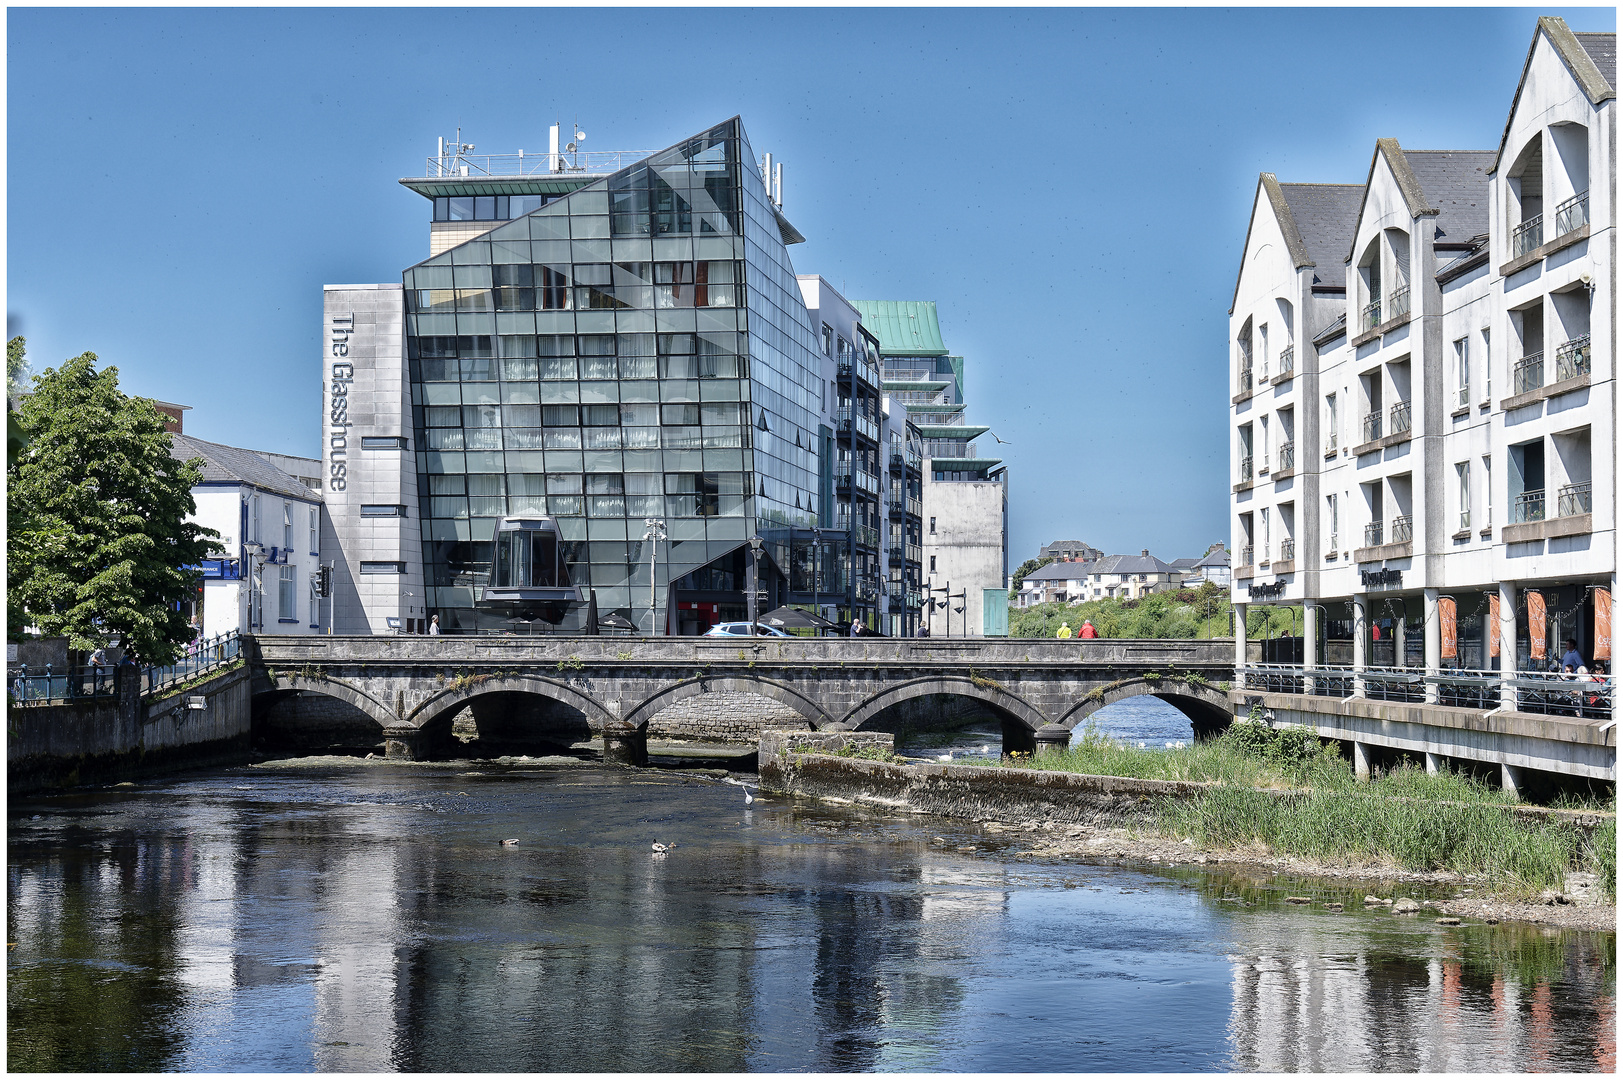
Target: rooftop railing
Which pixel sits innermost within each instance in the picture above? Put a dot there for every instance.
(1527, 236)
(1572, 214)
(1528, 374)
(541, 164)
(1402, 529)
(1372, 426)
(1528, 507)
(1402, 417)
(1572, 359)
(1572, 499)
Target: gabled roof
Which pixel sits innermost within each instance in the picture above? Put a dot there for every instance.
(1183, 564)
(1313, 219)
(224, 464)
(1060, 571)
(1129, 564)
(1219, 557)
(1449, 185)
(1591, 58)
(903, 327)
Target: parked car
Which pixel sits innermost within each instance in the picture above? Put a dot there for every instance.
(742, 629)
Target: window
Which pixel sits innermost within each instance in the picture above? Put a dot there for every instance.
(287, 526)
(932, 526)
(1462, 370)
(383, 568)
(285, 607)
(315, 533)
(383, 442)
(383, 510)
(1330, 423)
(932, 564)
(1333, 510)
(828, 340)
(1463, 469)
(1487, 491)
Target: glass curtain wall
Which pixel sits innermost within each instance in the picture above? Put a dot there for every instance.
(635, 349)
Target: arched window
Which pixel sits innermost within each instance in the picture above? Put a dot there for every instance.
(1525, 185)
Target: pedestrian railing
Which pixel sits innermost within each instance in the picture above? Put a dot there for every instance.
(202, 656)
(66, 684)
(1551, 693)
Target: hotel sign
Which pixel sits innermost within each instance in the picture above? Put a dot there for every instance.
(339, 330)
(1385, 578)
(1267, 592)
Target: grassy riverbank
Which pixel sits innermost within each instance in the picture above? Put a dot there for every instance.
(1404, 818)
(1185, 613)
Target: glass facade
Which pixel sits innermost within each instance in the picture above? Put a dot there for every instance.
(635, 349)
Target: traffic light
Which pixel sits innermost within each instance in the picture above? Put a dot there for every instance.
(324, 582)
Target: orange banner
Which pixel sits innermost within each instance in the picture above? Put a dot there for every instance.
(1603, 625)
(1448, 617)
(1493, 624)
(1537, 630)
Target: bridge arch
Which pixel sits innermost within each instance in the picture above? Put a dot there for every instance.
(320, 714)
(1001, 701)
(451, 699)
(1206, 707)
(784, 695)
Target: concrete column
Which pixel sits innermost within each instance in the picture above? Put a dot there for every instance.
(1361, 766)
(1434, 645)
(1360, 613)
(1400, 638)
(1310, 644)
(1239, 646)
(624, 744)
(1507, 645)
(1511, 779)
(402, 744)
(1434, 763)
(1053, 739)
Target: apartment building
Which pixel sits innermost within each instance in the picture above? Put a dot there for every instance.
(1424, 404)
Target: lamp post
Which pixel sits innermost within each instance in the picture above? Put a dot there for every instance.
(754, 583)
(654, 534)
(256, 554)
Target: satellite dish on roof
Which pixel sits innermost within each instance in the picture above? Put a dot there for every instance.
(580, 136)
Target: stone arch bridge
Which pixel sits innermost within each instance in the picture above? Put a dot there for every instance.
(410, 687)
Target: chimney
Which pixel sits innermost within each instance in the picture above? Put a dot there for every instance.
(1144, 551)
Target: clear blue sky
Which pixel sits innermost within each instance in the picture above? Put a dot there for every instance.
(1072, 188)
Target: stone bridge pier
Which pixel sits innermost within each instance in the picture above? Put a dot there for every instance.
(407, 692)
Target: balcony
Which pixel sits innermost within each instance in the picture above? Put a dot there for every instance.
(1370, 318)
(863, 370)
(915, 506)
(915, 553)
(1573, 499)
(1330, 445)
(1287, 458)
(865, 424)
(864, 480)
(1246, 554)
(1373, 534)
(1572, 359)
(1527, 236)
(1528, 374)
(894, 557)
(1402, 529)
(1573, 214)
(1287, 549)
(1528, 507)
(897, 462)
(1402, 418)
(1397, 305)
(1245, 469)
(1287, 363)
(1244, 382)
(1372, 426)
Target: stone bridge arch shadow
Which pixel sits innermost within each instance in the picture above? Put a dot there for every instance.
(497, 715)
(294, 714)
(1206, 706)
(948, 703)
(734, 708)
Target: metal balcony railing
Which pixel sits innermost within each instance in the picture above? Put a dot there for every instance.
(1527, 236)
(1245, 470)
(1464, 399)
(1287, 549)
(1287, 362)
(1287, 456)
(1402, 417)
(1572, 214)
(1574, 499)
(1372, 426)
(1529, 506)
(897, 462)
(1244, 381)
(1371, 316)
(1397, 304)
(1372, 534)
(1528, 374)
(1402, 529)
(1572, 359)
(1246, 553)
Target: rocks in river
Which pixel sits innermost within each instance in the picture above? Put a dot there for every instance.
(1448, 920)
(1403, 905)
(1332, 907)
(1298, 899)
(1376, 901)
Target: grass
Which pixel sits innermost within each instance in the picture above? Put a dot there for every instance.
(1404, 818)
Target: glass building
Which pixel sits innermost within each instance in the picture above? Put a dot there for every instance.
(636, 348)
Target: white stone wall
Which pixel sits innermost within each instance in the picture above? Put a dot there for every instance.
(366, 392)
(967, 546)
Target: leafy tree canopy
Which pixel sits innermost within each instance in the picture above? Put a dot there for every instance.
(99, 540)
(1025, 568)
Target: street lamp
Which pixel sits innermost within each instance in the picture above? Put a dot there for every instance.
(754, 582)
(655, 533)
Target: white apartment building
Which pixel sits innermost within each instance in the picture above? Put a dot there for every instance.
(1424, 408)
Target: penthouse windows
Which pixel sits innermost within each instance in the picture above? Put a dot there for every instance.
(702, 283)
(487, 207)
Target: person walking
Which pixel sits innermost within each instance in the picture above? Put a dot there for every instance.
(1064, 631)
(1087, 630)
(434, 626)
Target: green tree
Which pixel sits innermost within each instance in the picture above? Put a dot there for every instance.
(16, 376)
(99, 539)
(1025, 568)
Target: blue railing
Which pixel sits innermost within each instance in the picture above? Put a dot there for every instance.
(201, 656)
(91, 681)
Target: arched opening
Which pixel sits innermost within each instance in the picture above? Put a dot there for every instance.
(307, 721)
(1524, 185)
(1206, 708)
(1569, 184)
(1243, 358)
(720, 714)
(947, 713)
(506, 715)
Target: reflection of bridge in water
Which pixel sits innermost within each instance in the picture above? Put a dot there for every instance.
(406, 691)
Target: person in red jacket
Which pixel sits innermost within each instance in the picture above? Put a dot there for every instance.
(1087, 630)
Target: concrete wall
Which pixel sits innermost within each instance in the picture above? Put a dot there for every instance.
(51, 746)
(968, 546)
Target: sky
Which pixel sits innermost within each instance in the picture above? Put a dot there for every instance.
(1072, 187)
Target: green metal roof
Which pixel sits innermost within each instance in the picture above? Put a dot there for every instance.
(936, 384)
(545, 184)
(968, 464)
(952, 431)
(903, 327)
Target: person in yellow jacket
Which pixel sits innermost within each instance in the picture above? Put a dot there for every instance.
(1064, 630)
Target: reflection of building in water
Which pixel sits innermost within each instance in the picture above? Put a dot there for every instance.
(1316, 1001)
(960, 892)
(355, 985)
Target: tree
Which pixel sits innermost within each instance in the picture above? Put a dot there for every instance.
(16, 376)
(99, 542)
(1025, 568)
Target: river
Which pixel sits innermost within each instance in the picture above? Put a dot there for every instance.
(332, 914)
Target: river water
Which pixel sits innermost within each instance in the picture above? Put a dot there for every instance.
(333, 914)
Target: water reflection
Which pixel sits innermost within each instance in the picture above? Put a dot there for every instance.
(349, 917)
